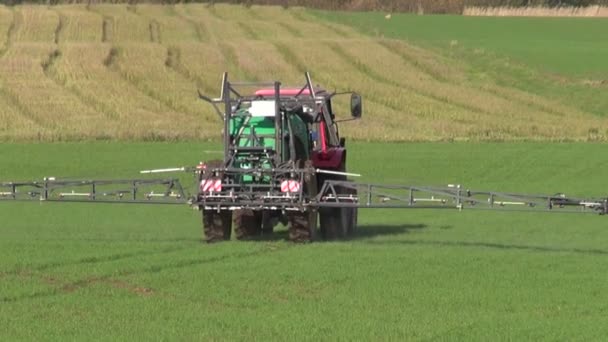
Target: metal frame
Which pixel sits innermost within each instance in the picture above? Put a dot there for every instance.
(230, 97)
(157, 191)
(347, 194)
(256, 196)
(452, 197)
(332, 194)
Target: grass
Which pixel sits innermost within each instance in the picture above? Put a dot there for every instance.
(82, 271)
(130, 72)
(121, 272)
(556, 59)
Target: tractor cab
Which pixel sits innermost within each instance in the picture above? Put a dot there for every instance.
(267, 125)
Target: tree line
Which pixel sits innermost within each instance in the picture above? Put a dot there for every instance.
(417, 6)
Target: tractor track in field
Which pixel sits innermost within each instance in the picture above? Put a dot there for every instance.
(290, 57)
(232, 60)
(12, 99)
(336, 29)
(294, 61)
(112, 64)
(10, 33)
(50, 71)
(368, 72)
(412, 61)
(155, 31)
(99, 259)
(284, 25)
(200, 29)
(107, 29)
(249, 32)
(107, 24)
(210, 7)
(154, 26)
(174, 63)
(418, 64)
(62, 288)
(59, 28)
(132, 7)
(292, 30)
(470, 244)
(527, 102)
(14, 102)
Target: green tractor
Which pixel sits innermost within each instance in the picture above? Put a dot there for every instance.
(281, 144)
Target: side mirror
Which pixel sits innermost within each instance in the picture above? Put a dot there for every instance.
(356, 105)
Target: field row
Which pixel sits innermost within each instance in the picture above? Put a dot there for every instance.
(131, 72)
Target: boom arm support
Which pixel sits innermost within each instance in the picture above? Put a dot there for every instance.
(336, 194)
(157, 191)
(332, 194)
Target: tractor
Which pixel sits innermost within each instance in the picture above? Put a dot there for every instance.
(281, 144)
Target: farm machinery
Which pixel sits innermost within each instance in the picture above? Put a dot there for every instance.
(283, 162)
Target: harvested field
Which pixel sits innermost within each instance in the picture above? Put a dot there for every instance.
(131, 72)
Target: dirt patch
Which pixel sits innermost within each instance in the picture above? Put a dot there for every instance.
(595, 83)
(143, 291)
(586, 12)
(69, 287)
(107, 29)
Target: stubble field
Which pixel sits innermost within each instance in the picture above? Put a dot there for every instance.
(131, 72)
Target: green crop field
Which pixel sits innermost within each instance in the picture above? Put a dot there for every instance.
(124, 272)
(131, 72)
(512, 104)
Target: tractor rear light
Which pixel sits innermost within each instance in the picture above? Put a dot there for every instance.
(211, 185)
(290, 185)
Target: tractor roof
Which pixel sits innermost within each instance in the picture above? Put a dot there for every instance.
(287, 92)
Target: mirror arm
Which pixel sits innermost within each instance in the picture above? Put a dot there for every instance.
(344, 120)
(341, 93)
(212, 102)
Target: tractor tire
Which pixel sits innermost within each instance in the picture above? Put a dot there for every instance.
(352, 225)
(269, 221)
(338, 223)
(303, 226)
(352, 217)
(248, 223)
(334, 222)
(217, 226)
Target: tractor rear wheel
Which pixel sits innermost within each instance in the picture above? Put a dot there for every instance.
(351, 224)
(248, 223)
(217, 226)
(303, 226)
(334, 222)
(338, 223)
(352, 216)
